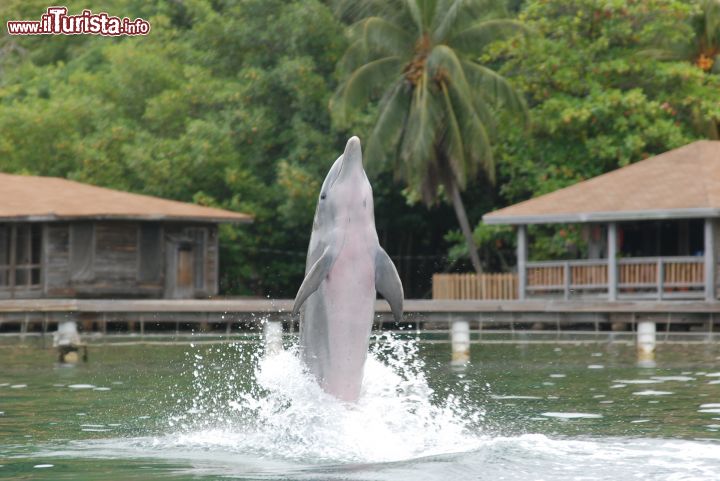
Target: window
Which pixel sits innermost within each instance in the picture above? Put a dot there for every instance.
(20, 256)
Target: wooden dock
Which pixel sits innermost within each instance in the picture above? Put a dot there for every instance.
(116, 315)
(412, 306)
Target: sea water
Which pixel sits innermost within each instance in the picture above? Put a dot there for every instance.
(227, 411)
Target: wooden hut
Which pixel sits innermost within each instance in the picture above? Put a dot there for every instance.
(60, 238)
(651, 229)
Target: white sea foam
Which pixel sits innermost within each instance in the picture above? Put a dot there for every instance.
(637, 381)
(286, 414)
(673, 378)
(572, 415)
(515, 397)
(650, 392)
(529, 456)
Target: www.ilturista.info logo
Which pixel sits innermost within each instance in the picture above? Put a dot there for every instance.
(56, 21)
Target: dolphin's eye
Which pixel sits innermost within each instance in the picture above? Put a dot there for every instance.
(323, 195)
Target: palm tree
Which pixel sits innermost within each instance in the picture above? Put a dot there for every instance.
(706, 44)
(438, 105)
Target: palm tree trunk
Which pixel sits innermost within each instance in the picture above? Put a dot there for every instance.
(457, 202)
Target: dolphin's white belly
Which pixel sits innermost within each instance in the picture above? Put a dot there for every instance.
(349, 296)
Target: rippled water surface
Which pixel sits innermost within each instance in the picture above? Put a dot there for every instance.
(224, 411)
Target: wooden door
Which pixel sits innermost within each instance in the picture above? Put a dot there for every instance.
(180, 270)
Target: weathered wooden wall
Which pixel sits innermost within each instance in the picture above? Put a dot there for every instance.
(56, 260)
(104, 258)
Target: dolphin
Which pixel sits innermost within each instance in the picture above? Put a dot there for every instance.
(345, 265)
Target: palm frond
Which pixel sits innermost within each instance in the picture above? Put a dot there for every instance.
(473, 11)
(355, 56)
(380, 35)
(417, 148)
(477, 36)
(445, 20)
(390, 124)
(477, 122)
(495, 87)
(415, 13)
(355, 92)
(711, 19)
(352, 11)
(443, 61)
(428, 9)
(453, 142)
(485, 113)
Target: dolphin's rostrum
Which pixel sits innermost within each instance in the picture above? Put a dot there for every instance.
(345, 265)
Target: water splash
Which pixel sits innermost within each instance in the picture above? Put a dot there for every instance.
(271, 406)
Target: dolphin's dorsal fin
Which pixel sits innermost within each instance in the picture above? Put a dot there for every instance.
(314, 277)
(387, 283)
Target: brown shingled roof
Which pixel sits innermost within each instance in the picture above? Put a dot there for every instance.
(51, 198)
(681, 183)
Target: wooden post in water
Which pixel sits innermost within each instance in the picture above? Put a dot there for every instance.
(522, 260)
(612, 262)
(709, 260)
(646, 344)
(460, 340)
(272, 334)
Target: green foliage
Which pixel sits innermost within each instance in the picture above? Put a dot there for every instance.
(496, 245)
(436, 102)
(224, 103)
(597, 99)
(436, 112)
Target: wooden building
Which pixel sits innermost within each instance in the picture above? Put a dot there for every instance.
(651, 230)
(60, 238)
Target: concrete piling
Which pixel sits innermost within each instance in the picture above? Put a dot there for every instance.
(646, 338)
(67, 342)
(460, 340)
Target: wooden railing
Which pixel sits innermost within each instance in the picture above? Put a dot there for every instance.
(474, 286)
(662, 276)
(642, 277)
(567, 276)
(637, 277)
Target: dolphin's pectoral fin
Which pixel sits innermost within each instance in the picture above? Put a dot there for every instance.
(387, 283)
(314, 277)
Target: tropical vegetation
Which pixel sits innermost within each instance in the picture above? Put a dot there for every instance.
(227, 103)
(437, 108)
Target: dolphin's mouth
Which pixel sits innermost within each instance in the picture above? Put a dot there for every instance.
(337, 176)
(353, 156)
